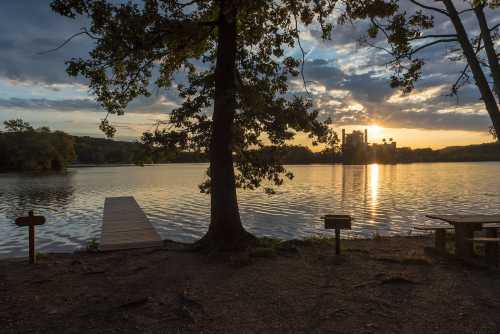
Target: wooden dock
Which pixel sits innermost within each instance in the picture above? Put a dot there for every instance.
(125, 226)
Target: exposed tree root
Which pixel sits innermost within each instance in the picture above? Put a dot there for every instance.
(212, 243)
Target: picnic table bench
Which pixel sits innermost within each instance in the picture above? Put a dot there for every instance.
(465, 225)
(491, 241)
(439, 235)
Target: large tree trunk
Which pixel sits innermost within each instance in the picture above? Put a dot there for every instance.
(225, 231)
(475, 66)
(490, 48)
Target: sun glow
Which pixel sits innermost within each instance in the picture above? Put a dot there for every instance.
(374, 130)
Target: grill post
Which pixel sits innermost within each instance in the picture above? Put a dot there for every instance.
(337, 222)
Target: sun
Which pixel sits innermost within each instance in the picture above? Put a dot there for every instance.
(374, 130)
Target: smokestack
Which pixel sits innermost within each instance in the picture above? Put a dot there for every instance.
(366, 136)
(343, 138)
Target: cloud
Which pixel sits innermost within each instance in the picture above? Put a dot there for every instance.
(44, 104)
(416, 96)
(158, 105)
(361, 99)
(32, 27)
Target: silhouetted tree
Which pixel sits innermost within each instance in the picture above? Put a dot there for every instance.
(17, 125)
(232, 53)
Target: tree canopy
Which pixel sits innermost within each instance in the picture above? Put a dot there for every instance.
(235, 95)
(23, 148)
(140, 47)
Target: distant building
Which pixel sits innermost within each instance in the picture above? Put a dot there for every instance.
(356, 149)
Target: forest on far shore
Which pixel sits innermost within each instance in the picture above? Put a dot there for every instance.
(24, 148)
(104, 151)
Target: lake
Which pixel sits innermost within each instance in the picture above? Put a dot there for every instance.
(383, 199)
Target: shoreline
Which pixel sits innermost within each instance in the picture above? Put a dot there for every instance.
(327, 237)
(384, 285)
(108, 165)
(288, 164)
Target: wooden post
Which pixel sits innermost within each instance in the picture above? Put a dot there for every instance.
(464, 248)
(440, 240)
(337, 222)
(32, 244)
(31, 221)
(337, 241)
(491, 248)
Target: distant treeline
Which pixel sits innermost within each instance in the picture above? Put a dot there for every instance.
(135, 153)
(91, 150)
(24, 148)
(481, 152)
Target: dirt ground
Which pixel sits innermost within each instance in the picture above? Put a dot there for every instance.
(376, 286)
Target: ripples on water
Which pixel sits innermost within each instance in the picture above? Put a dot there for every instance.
(384, 199)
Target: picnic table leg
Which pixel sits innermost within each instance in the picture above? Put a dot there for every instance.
(491, 249)
(440, 240)
(463, 248)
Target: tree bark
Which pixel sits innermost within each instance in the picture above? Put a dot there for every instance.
(225, 231)
(479, 76)
(490, 48)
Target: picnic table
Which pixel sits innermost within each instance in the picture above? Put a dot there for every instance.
(465, 225)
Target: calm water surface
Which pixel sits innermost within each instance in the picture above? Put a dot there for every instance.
(386, 200)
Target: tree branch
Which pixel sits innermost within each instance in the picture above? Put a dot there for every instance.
(183, 5)
(465, 11)
(69, 39)
(303, 55)
(436, 36)
(457, 85)
(380, 27)
(377, 47)
(495, 26)
(433, 43)
(430, 7)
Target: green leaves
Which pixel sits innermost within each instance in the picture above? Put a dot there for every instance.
(17, 125)
(24, 148)
(107, 128)
(141, 46)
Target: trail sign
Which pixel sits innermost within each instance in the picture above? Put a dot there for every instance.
(31, 221)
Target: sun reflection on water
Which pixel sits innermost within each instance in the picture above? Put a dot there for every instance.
(374, 184)
(374, 170)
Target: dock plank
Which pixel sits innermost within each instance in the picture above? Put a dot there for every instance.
(126, 226)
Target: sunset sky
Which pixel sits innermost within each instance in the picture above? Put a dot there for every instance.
(349, 84)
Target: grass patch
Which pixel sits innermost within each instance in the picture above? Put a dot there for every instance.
(320, 240)
(378, 237)
(277, 245)
(92, 246)
(40, 255)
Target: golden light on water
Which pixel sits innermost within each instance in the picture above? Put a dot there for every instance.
(374, 171)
